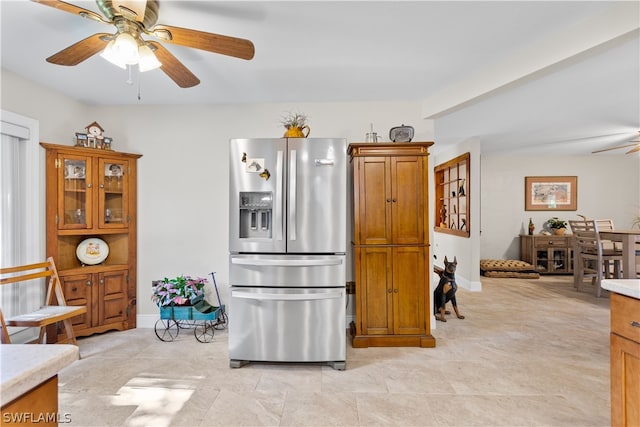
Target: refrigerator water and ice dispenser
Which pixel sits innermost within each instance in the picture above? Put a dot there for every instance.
(256, 213)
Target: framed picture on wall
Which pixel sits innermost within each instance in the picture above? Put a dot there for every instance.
(551, 193)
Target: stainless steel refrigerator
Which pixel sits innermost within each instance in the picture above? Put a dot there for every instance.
(287, 244)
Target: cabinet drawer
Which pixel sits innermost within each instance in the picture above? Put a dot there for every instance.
(625, 316)
(552, 241)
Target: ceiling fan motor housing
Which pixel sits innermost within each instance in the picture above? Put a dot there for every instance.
(111, 9)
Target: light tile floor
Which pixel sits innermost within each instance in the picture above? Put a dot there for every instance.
(529, 353)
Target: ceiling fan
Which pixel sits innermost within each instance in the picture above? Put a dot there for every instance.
(133, 19)
(635, 144)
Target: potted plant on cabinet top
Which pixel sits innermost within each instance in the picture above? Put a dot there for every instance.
(558, 226)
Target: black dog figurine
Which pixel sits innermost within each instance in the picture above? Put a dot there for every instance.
(446, 290)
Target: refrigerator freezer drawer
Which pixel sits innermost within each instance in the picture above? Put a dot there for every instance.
(288, 270)
(287, 325)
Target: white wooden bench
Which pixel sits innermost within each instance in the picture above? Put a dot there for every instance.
(47, 315)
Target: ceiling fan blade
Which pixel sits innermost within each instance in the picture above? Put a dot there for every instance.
(66, 7)
(613, 148)
(174, 68)
(78, 52)
(633, 150)
(216, 43)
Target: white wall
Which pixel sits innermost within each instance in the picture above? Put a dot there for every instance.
(183, 174)
(465, 249)
(608, 187)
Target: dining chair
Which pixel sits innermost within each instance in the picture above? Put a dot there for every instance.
(607, 225)
(591, 259)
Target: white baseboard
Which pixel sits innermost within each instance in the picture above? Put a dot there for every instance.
(149, 320)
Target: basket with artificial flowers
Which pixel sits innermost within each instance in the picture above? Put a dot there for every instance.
(179, 291)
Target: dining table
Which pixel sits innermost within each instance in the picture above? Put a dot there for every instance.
(628, 238)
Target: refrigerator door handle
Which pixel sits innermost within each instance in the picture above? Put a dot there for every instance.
(286, 262)
(286, 297)
(324, 162)
(292, 194)
(279, 219)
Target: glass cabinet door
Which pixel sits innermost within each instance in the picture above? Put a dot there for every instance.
(560, 260)
(113, 192)
(74, 205)
(542, 260)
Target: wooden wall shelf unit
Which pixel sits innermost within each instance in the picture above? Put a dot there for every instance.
(391, 245)
(548, 254)
(452, 196)
(93, 193)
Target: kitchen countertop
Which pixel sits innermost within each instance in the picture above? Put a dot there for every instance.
(628, 287)
(24, 366)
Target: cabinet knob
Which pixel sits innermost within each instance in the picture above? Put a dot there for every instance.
(388, 200)
(74, 289)
(389, 290)
(395, 291)
(88, 282)
(101, 185)
(89, 185)
(102, 281)
(393, 200)
(635, 324)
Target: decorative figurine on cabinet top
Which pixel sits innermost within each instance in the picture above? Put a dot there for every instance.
(81, 139)
(93, 138)
(95, 130)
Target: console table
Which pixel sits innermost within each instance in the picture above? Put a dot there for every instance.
(548, 254)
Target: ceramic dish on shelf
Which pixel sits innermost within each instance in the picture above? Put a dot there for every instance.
(92, 251)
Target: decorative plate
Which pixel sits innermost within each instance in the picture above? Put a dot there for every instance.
(92, 251)
(401, 133)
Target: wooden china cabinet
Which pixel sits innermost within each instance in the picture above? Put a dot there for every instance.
(91, 193)
(391, 244)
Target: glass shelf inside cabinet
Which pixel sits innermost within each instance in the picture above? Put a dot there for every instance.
(75, 191)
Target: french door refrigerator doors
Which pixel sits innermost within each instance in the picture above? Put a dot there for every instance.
(257, 179)
(287, 195)
(317, 195)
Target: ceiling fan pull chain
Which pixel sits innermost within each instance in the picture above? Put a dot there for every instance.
(129, 80)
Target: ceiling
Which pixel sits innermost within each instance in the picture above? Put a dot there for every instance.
(557, 72)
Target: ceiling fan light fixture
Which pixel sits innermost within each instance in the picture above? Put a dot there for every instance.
(126, 47)
(148, 60)
(109, 53)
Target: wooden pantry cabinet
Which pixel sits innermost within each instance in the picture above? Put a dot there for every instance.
(391, 244)
(92, 193)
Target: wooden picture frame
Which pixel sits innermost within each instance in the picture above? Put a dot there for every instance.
(550, 193)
